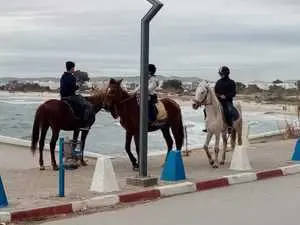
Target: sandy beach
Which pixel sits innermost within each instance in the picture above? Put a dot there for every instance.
(246, 105)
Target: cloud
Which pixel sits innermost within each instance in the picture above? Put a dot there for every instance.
(257, 39)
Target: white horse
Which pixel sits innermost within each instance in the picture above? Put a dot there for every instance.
(215, 122)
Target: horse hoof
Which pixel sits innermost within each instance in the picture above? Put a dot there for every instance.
(211, 162)
(42, 168)
(83, 163)
(215, 166)
(135, 167)
(55, 167)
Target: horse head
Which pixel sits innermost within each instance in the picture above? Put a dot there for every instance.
(113, 94)
(96, 98)
(201, 95)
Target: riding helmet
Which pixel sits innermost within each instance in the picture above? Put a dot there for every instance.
(224, 70)
(151, 69)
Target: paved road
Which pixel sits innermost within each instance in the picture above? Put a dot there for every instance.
(275, 201)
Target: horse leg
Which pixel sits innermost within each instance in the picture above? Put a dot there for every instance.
(166, 133)
(224, 137)
(239, 131)
(208, 138)
(55, 134)
(217, 149)
(42, 144)
(137, 147)
(132, 159)
(75, 138)
(233, 139)
(84, 135)
(178, 135)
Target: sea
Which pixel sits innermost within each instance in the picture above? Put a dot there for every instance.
(107, 136)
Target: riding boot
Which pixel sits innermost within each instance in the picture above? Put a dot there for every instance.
(151, 111)
(204, 130)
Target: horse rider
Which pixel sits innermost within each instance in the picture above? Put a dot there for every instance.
(153, 83)
(225, 90)
(78, 103)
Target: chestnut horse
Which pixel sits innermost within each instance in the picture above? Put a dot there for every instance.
(126, 107)
(58, 115)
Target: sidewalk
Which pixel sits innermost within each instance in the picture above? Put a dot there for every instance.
(27, 187)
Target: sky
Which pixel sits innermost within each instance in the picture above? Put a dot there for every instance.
(257, 39)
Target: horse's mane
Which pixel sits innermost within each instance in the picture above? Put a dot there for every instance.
(214, 100)
(97, 95)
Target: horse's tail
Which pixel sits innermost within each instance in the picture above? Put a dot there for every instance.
(180, 129)
(175, 121)
(240, 126)
(35, 130)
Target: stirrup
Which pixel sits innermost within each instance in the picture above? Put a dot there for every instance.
(229, 130)
(84, 128)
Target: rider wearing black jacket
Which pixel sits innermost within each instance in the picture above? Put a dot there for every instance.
(82, 108)
(225, 90)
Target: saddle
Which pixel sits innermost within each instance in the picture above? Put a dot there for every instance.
(74, 110)
(161, 115)
(234, 114)
(161, 111)
(79, 108)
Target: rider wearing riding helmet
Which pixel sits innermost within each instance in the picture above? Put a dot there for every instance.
(225, 90)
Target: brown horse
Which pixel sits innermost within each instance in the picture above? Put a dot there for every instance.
(58, 115)
(125, 105)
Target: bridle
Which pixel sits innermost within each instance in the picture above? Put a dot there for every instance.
(120, 93)
(203, 102)
(127, 99)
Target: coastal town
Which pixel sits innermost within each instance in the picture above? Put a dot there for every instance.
(108, 117)
(277, 91)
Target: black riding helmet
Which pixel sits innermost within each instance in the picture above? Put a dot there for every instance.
(151, 69)
(224, 71)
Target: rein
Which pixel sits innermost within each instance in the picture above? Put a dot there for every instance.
(204, 99)
(127, 99)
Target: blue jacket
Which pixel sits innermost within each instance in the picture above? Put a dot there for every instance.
(68, 85)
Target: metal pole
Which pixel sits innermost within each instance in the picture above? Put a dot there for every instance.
(143, 136)
(61, 191)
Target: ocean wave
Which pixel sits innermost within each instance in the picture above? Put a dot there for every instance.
(21, 102)
(107, 135)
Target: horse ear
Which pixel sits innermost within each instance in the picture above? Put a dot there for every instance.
(120, 81)
(112, 81)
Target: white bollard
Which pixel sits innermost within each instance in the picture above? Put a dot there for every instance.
(240, 160)
(104, 178)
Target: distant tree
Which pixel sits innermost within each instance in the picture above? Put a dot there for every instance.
(276, 90)
(240, 87)
(253, 88)
(298, 84)
(277, 82)
(172, 84)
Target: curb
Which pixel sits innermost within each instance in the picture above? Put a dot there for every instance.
(152, 194)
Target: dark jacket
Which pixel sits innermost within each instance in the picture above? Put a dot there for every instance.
(68, 85)
(225, 86)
